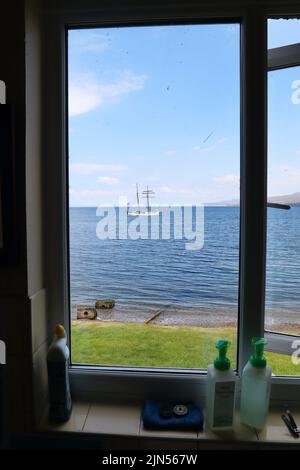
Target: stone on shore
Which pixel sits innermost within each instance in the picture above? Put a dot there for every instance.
(105, 303)
(86, 313)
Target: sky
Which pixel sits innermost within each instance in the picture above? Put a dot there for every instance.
(159, 106)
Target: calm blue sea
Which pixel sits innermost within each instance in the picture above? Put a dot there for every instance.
(160, 272)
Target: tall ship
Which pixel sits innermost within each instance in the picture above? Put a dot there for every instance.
(147, 194)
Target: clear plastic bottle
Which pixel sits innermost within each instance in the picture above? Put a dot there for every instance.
(58, 377)
(255, 389)
(220, 399)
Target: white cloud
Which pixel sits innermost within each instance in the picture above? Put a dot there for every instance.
(90, 168)
(166, 189)
(89, 197)
(206, 149)
(109, 180)
(170, 190)
(171, 152)
(90, 192)
(283, 179)
(86, 94)
(89, 42)
(231, 178)
(83, 98)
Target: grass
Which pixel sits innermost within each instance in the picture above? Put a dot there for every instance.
(133, 344)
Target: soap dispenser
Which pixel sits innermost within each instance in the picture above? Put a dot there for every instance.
(255, 388)
(220, 399)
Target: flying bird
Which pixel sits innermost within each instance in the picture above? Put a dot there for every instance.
(205, 140)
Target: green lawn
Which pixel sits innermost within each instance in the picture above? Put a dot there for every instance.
(132, 344)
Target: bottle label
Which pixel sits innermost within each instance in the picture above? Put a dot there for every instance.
(224, 404)
(59, 390)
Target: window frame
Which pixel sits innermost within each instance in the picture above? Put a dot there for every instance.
(139, 383)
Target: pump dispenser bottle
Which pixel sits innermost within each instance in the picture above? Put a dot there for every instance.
(256, 384)
(220, 400)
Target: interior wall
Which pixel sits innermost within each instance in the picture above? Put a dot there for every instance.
(23, 311)
(34, 197)
(34, 207)
(13, 277)
(14, 304)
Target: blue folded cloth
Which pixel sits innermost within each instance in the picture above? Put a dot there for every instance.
(160, 415)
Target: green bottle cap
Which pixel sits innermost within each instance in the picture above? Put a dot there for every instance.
(258, 359)
(222, 362)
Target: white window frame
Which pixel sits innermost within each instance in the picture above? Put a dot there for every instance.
(89, 382)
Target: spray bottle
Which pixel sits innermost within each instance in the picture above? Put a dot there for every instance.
(220, 400)
(256, 385)
(58, 377)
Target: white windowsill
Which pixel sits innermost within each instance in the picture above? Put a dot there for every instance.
(124, 421)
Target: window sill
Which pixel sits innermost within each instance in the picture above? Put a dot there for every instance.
(118, 422)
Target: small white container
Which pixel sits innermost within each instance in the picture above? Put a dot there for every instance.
(256, 386)
(220, 391)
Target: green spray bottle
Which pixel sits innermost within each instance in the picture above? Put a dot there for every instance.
(256, 385)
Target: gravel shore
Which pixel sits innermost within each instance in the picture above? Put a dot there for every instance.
(174, 315)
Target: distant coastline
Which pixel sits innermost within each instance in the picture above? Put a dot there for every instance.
(290, 199)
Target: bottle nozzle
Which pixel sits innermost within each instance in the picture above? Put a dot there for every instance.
(258, 359)
(222, 362)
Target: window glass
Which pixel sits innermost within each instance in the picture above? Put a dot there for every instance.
(154, 193)
(283, 221)
(283, 32)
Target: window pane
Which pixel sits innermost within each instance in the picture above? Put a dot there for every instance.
(283, 224)
(283, 32)
(154, 111)
(283, 266)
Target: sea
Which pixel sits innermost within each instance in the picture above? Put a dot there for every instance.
(156, 273)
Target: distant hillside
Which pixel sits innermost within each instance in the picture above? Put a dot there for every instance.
(231, 202)
(290, 199)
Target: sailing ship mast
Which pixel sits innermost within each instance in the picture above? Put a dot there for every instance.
(148, 194)
(138, 198)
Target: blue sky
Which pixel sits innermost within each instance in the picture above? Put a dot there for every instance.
(160, 106)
